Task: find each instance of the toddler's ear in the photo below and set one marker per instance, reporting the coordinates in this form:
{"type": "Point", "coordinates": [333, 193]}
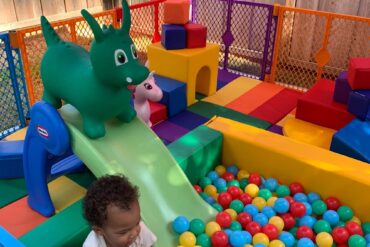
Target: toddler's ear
{"type": "Point", "coordinates": [97, 230]}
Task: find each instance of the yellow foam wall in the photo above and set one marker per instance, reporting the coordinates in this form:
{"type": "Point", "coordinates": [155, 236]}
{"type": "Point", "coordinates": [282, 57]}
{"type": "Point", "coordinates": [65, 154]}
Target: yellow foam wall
{"type": "Point", "coordinates": [319, 170]}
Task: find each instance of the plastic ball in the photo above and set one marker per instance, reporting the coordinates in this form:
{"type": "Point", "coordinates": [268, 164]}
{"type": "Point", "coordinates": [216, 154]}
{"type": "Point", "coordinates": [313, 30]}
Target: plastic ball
{"type": "Point", "coordinates": [313, 196]}
{"type": "Point", "coordinates": [268, 211]}
{"type": "Point", "coordinates": [367, 238]}
{"type": "Point", "coordinates": [265, 194]}
{"type": "Point", "coordinates": [251, 209]}
{"type": "Point", "coordinates": [219, 239]}
{"type": "Point", "coordinates": [281, 205]}
{"type": "Point", "coordinates": [221, 189]}
{"type": "Point", "coordinates": [233, 182]}
{"type": "Point", "coordinates": [197, 188]}
{"type": "Point", "coordinates": [278, 222]}
{"type": "Point", "coordinates": [287, 238]}
{"type": "Point", "coordinates": [366, 227]}
{"type": "Point", "coordinates": [305, 242]}
{"type": "Point", "coordinates": [289, 199]}
{"type": "Point", "coordinates": [322, 226]}
{"type": "Point", "coordinates": [282, 190]}
{"type": "Point", "coordinates": [354, 228]}
{"type": "Point", "coordinates": [253, 228]}
{"type": "Point", "coordinates": [307, 221]}
{"type": "Point", "coordinates": [261, 219]}
{"type": "Point", "coordinates": [242, 174]}
{"type": "Point", "coordinates": [180, 224]}
{"type": "Point", "coordinates": [259, 202]}
{"type": "Point", "coordinates": [345, 213]}
{"type": "Point", "coordinates": [331, 217]}
{"type": "Point", "coordinates": [308, 208]}
{"type": "Point", "coordinates": [213, 175]}
{"type": "Point", "coordinates": [203, 240]}
{"type": "Point", "coordinates": [210, 190]}
{"type": "Point", "coordinates": [259, 245]}
{"type": "Point", "coordinates": [276, 243]}
{"type": "Point", "coordinates": [271, 231]}
{"type": "Point", "coordinates": [340, 235]}
{"type": "Point", "coordinates": [232, 169]}
{"type": "Point", "coordinates": [245, 198]}
{"type": "Point", "coordinates": [224, 199]}
{"type": "Point", "coordinates": [212, 227]}
{"type": "Point", "coordinates": [244, 218]}
{"type": "Point", "coordinates": [271, 184]}
{"type": "Point", "coordinates": [332, 203]}
{"type": "Point", "coordinates": [297, 209]}
{"type": "Point", "coordinates": [252, 190]}
{"type": "Point", "coordinates": [243, 183]}
{"type": "Point", "coordinates": [239, 239]}
{"type": "Point", "coordinates": [271, 201]}
{"type": "Point", "coordinates": [223, 219]}
{"type": "Point", "coordinates": [228, 232]}
{"type": "Point", "coordinates": [295, 188]}
{"type": "Point", "coordinates": [289, 221]}
{"type": "Point", "coordinates": [319, 207]}
{"type": "Point", "coordinates": [300, 197]}
{"type": "Point", "coordinates": [219, 182]}
{"type": "Point", "coordinates": [356, 241]}
{"type": "Point", "coordinates": [235, 226]}
{"type": "Point", "coordinates": [220, 170]}
{"type": "Point", "coordinates": [187, 239]}
{"type": "Point", "coordinates": [254, 178]}
{"type": "Point", "coordinates": [232, 213]}
{"type": "Point", "coordinates": [204, 181]}
{"type": "Point", "coordinates": [340, 224]}
{"type": "Point", "coordinates": [237, 205]}
{"type": "Point", "coordinates": [233, 191]}
{"type": "Point", "coordinates": [210, 200]}
{"type": "Point", "coordinates": [356, 219]}
{"type": "Point", "coordinates": [217, 206]}
{"type": "Point", "coordinates": [228, 176]}
{"type": "Point", "coordinates": [324, 239]}
{"type": "Point", "coordinates": [260, 238]}
{"type": "Point", "coordinates": [197, 226]}
{"type": "Point", "coordinates": [304, 232]}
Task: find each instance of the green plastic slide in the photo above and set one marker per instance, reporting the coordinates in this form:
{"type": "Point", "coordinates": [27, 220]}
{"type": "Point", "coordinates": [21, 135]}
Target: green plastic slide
{"type": "Point", "coordinates": [134, 150]}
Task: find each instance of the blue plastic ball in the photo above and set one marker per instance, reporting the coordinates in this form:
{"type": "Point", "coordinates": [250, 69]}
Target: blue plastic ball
{"type": "Point", "coordinates": [308, 208]}
{"type": "Point", "coordinates": [213, 175]}
{"type": "Point", "coordinates": [251, 209]}
{"type": "Point", "coordinates": [232, 169]}
{"type": "Point", "coordinates": [180, 224]}
{"type": "Point", "coordinates": [210, 200]}
{"type": "Point", "coordinates": [305, 242]}
{"type": "Point", "coordinates": [367, 238]}
{"type": "Point", "coordinates": [261, 219]}
{"type": "Point", "coordinates": [281, 205]}
{"type": "Point", "coordinates": [271, 184]}
{"type": "Point", "coordinates": [268, 211]}
{"type": "Point", "coordinates": [237, 239]}
{"type": "Point", "coordinates": [332, 217]}
{"type": "Point", "coordinates": [228, 232]}
{"type": "Point", "coordinates": [247, 236]}
{"type": "Point", "coordinates": [307, 221]}
{"type": "Point", "coordinates": [287, 238]}
{"type": "Point", "coordinates": [219, 182]}
{"type": "Point", "coordinates": [259, 245]}
{"type": "Point", "coordinates": [300, 197]}
{"type": "Point", "coordinates": [313, 196]}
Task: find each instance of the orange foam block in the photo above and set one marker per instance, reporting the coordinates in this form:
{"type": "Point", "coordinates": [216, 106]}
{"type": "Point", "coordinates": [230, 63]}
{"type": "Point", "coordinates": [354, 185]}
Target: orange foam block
{"type": "Point", "coordinates": [176, 11]}
{"type": "Point", "coordinates": [255, 97]}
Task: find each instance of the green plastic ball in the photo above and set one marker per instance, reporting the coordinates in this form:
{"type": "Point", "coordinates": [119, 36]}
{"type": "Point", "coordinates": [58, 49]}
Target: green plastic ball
{"type": "Point", "coordinates": [243, 183]}
{"type": "Point", "coordinates": [197, 226]}
{"type": "Point", "coordinates": [237, 205]}
{"type": "Point", "coordinates": [340, 224]}
{"type": "Point", "coordinates": [204, 181]}
{"type": "Point", "coordinates": [345, 213]}
{"type": "Point", "coordinates": [265, 194]}
{"type": "Point", "coordinates": [235, 226]}
{"type": "Point", "coordinates": [221, 189]}
{"type": "Point", "coordinates": [366, 227]}
{"type": "Point", "coordinates": [356, 241]}
{"type": "Point", "coordinates": [282, 191]}
{"type": "Point", "coordinates": [217, 206]}
{"type": "Point", "coordinates": [203, 240]}
{"type": "Point", "coordinates": [319, 207]}
{"type": "Point", "coordinates": [293, 231]}
{"type": "Point", "coordinates": [322, 226]}
{"type": "Point", "coordinates": [233, 183]}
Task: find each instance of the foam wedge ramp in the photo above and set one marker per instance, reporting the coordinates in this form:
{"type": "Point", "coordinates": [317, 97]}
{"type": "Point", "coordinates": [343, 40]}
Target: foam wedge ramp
{"type": "Point", "coordinates": [134, 150]}
{"type": "Point", "coordinates": [353, 140]}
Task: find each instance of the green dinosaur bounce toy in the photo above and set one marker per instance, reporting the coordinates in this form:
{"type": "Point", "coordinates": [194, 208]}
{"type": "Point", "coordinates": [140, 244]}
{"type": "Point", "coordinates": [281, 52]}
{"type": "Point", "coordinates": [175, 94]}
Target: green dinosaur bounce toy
{"type": "Point", "coordinates": [95, 83]}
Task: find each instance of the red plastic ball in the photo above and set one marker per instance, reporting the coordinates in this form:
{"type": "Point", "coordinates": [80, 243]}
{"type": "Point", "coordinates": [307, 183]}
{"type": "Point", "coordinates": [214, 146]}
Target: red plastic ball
{"type": "Point", "coordinates": [305, 232]}
{"type": "Point", "coordinates": [289, 221]}
{"type": "Point", "coordinates": [295, 188]}
{"type": "Point", "coordinates": [332, 203]}
{"type": "Point", "coordinates": [234, 191]}
{"type": "Point", "coordinates": [354, 228]}
{"type": "Point", "coordinates": [289, 199]}
{"type": "Point", "coordinates": [271, 231]}
{"type": "Point", "coordinates": [253, 228]}
{"type": "Point", "coordinates": [340, 235]}
{"type": "Point", "coordinates": [245, 198]}
{"type": "Point", "coordinates": [223, 219]}
{"type": "Point", "coordinates": [224, 199]}
{"type": "Point", "coordinates": [297, 209]}
{"type": "Point", "coordinates": [197, 188]}
{"type": "Point", "coordinates": [228, 176]}
{"type": "Point", "coordinates": [219, 239]}
{"type": "Point", "coordinates": [254, 178]}
{"type": "Point", "coordinates": [244, 218]}
{"type": "Point", "coordinates": [342, 245]}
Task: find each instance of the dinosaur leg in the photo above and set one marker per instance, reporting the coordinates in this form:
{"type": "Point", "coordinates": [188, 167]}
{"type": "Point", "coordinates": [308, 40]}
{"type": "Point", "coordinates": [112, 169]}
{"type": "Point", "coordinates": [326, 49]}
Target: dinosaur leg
{"type": "Point", "coordinates": [127, 115]}
{"type": "Point", "coordinates": [54, 101]}
{"type": "Point", "coordinates": [93, 128]}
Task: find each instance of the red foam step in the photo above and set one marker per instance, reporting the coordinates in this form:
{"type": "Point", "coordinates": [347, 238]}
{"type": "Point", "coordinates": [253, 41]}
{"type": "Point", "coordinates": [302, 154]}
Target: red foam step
{"type": "Point", "coordinates": [359, 73]}
{"type": "Point", "coordinates": [158, 112]}
{"type": "Point", "coordinates": [318, 107]}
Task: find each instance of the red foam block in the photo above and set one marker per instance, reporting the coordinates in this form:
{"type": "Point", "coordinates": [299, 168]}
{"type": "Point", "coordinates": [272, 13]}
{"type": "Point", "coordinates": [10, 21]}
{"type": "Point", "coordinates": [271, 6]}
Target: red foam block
{"type": "Point", "coordinates": [359, 73]}
{"type": "Point", "coordinates": [196, 35]}
{"type": "Point", "coordinates": [318, 107]}
{"type": "Point", "coordinates": [158, 112]}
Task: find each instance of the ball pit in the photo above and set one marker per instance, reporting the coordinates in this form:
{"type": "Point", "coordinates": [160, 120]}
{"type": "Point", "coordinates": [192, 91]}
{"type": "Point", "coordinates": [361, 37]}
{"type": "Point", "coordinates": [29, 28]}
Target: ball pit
{"type": "Point", "coordinates": [261, 212]}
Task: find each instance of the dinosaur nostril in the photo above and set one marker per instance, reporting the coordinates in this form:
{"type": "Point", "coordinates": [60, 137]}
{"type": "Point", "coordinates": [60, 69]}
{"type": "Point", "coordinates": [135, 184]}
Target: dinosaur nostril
{"type": "Point", "coordinates": [128, 79]}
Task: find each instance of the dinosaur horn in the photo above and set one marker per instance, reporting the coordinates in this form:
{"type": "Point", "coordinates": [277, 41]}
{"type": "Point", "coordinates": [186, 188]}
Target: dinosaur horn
{"type": "Point", "coordinates": [126, 22]}
{"type": "Point", "coordinates": [98, 32]}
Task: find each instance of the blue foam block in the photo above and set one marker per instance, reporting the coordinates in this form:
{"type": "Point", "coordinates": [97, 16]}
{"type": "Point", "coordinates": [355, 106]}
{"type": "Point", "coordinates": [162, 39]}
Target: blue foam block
{"type": "Point", "coordinates": [8, 240]}
{"type": "Point", "coordinates": [342, 88]}
{"type": "Point", "coordinates": [174, 94]}
{"type": "Point", "coordinates": [188, 119]}
{"type": "Point", "coordinates": [353, 140]}
{"type": "Point", "coordinates": [359, 104]}
{"type": "Point", "coordinates": [173, 36]}
{"type": "Point", "coordinates": [11, 159]}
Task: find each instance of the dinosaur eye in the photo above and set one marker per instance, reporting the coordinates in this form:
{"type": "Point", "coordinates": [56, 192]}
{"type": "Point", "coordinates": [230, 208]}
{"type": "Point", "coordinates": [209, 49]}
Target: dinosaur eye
{"type": "Point", "coordinates": [147, 86]}
{"type": "Point", "coordinates": [133, 50]}
{"type": "Point", "coordinates": [120, 57]}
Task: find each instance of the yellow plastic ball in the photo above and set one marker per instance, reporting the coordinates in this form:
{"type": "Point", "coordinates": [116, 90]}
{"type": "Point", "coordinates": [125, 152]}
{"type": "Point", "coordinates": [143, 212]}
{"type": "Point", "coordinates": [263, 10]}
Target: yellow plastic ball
{"type": "Point", "coordinates": [260, 238]}
{"type": "Point", "coordinates": [242, 174]}
{"type": "Point", "coordinates": [259, 202]}
{"type": "Point", "coordinates": [212, 227]}
{"type": "Point", "coordinates": [252, 190]}
{"type": "Point", "coordinates": [215, 197]}
{"type": "Point", "coordinates": [248, 245]}
{"type": "Point", "coordinates": [278, 222]}
{"type": "Point", "coordinates": [232, 213]}
{"type": "Point", "coordinates": [187, 239]}
{"type": "Point", "coordinates": [210, 190]}
{"type": "Point", "coordinates": [276, 243]}
{"type": "Point", "coordinates": [324, 239]}
{"type": "Point", "coordinates": [357, 220]}
{"type": "Point", "coordinates": [271, 201]}
{"type": "Point", "coordinates": [220, 170]}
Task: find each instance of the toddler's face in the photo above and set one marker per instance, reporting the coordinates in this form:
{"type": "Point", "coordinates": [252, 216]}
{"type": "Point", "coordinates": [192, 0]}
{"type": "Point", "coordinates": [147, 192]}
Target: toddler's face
{"type": "Point", "coordinates": [122, 226]}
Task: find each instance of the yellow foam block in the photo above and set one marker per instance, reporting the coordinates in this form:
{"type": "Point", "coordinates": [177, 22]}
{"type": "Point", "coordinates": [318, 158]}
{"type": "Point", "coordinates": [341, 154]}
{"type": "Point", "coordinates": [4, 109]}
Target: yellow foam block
{"type": "Point", "coordinates": [319, 170]}
{"type": "Point", "coordinates": [287, 117]}
{"type": "Point", "coordinates": [308, 133]}
{"type": "Point", "coordinates": [64, 192]}
{"type": "Point", "coordinates": [232, 91]}
{"type": "Point", "coordinates": [198, 67]}
{"type": "Point", "coordinates": [17, 136]}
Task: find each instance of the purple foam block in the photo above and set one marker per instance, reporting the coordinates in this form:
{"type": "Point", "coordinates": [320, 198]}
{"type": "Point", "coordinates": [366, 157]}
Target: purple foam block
{"type": "Point", "coordinates": [188, 120]}
{"type": "Point", "coordinates": [359, 104]}
{"type": "Point", "coordinates": [276, 129]}
{"type": "Point", "coordinates": [342, 88]}
{"type": "Point", "coordinates": [225, 76]}
{"type": "Point", "coordinates": [169, 131]}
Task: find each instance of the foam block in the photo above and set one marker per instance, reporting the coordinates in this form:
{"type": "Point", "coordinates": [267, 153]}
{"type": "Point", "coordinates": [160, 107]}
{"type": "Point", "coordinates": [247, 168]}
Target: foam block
{"type": "Point", "coordinates": [173, 37]}
{"type": "Point", "coordinates": [176, 11]}
{"type": "Point", "coordinates": [6, 239]}
{"type": "Point", "coordinates": [11, 159]}
{"type": "Point", "coordinates": [169, 131]}
{"type": "Point", "coordinates": [196, 35]}
{"type": "Point", "coordinates": [276, 129]}
{"type": "Point", "coordinates": [158, 112]}
{"type": "Point", "coordinates": [317, 106]}
{"type": "Point", "coordinates": [342, 88]}
{"type": "Point", "coordinates": [188, 120]}
{"type": "Point", "coordinates": [359, 104]}
{"type": "Point", "coordinates": [359, 73]}
{"type": "Point", "coordinates": [201, 156]}
{"type": "Point", "coordinates": [174, 94]}
{"type": "Point", "coordinates": [353, 140]}
{"type": "Point", "coordinates": [226, 76]}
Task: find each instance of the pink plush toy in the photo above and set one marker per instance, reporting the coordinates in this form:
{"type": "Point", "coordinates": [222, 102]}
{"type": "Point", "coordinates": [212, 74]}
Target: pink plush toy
{"type": "Point", "coordinates": [147, 90]}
